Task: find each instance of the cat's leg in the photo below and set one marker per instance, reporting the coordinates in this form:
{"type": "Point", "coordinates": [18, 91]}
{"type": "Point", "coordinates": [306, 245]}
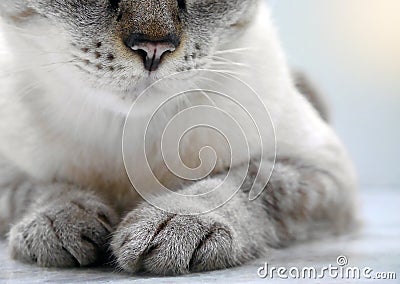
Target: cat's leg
{"type": "Point", "coordinates": [298, 203]}
{"type": "Point", "coordinates": [56, 225]}
{"type": "Point", "coordinates": [13, 204]}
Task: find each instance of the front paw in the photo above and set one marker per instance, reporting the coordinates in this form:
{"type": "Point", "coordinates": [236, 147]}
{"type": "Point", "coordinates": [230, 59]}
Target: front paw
{"type": "Point", "coordinates": [153, 241]}
{"type": "Point", "coordinates": [63, 233]}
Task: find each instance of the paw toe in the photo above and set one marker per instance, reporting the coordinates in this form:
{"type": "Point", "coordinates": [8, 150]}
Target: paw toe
{"type": "Point", "coordinates": [62, 236]}
{"type": "Point", "coordinates": [172, 244]}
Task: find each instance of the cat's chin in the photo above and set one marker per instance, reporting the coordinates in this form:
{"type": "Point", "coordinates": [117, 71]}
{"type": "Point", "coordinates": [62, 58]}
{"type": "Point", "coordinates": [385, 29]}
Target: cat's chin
{"type": "Point", "coordinates": [134, 89]}
{"type": "Point", "coordinates": [119, 100]}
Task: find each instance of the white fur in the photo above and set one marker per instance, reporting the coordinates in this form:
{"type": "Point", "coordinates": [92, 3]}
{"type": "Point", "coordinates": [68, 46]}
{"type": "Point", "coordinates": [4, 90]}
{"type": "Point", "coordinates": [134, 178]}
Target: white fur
{"type": "Point", "coordinates": [73, 133]}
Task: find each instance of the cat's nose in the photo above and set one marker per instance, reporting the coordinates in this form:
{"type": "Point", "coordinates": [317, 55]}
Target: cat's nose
{"type": "Point", "coordinates": [152, 51]}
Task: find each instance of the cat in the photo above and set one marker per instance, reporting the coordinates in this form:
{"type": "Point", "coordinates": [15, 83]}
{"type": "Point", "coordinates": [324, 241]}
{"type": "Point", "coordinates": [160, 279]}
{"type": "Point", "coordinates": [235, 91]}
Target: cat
{"type": "Point", "coordinates": [71, 71]}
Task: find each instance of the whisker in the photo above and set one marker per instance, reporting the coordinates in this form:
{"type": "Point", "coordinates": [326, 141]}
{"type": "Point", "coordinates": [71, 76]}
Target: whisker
{"type": "Point", "coordinates": [35, 85]}
{"type": "Point", "coordinates": [224, 59]}
{"type": "Point", "coordinates": [60, 62]}
{"type": "Point", "coordinates": [7, 73]}
{"type": "Point", "coordinates": [234, 50]}
{"type": "Point", "coordinates": [211, 80]}
{"type": "Point", "coordinates": [206, 95]}
{"type": "Point", "coordinates": [79, 118]}
{"type": "Point", "coordinates": [233, 64]}
{"type": "Point", "coordinates": [221, 58]}
{"type": "Point", "coordinates": [21, 31]}
{"type": "Point", "coordinates": [20, 95]}
{"type": "Point", "coordinates": [228, 72]}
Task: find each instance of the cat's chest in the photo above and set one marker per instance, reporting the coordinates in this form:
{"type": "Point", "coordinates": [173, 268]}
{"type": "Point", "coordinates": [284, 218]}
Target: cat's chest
{"type": "Point", "coordinates": [111, 159]}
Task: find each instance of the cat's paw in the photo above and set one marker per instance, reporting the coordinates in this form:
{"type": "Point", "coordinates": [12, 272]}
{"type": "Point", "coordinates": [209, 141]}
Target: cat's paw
{"type": "Point", "coordinates": [150, 240]}
{"type": "Point", "coordinates": [64, 233]}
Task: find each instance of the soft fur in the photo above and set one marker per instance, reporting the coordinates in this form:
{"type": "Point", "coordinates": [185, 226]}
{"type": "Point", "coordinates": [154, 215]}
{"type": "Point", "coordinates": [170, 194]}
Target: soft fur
{"type": "Point", "coordinates": [66, 85]}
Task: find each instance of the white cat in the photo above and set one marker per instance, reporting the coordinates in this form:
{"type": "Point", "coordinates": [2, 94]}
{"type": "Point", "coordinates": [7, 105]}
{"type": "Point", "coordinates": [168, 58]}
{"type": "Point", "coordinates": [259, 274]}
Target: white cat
{"type": "Point", "coordinates": [71, 72]}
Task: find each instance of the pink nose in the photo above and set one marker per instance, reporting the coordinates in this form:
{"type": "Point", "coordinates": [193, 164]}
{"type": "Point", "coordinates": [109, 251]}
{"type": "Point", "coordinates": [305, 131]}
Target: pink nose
{"type": "Point", "coordinates": [153, 52]}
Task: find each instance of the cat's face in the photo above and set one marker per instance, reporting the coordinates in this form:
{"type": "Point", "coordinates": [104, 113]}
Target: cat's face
{"type": "Point", "coordinates": [115, 44]}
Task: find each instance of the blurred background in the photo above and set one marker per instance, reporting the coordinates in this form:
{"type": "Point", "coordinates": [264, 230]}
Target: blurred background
{"type": "Point", "coordinates": [350, 49]}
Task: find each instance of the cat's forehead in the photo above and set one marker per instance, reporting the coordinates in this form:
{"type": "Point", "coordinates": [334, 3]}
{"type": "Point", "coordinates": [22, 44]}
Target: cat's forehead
{"type": "Point", "coordinates": [143, 4]}
{"type": "Point", "coordinates": [79, 9]}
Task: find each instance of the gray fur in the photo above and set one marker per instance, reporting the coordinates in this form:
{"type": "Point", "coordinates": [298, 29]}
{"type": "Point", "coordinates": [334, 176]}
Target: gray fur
{"type": "Point", "coordinates": [63, 227]}
{"type": "Point", "coordinates": [64, 192]}
{"type": "Point", "coordinates": [149, 239]}
{"type": "Point", "coordinates": [206, 25]}
{"type": "Point", "coordinates": [313, 95]}
{"type": "Point", "coordinates": [296, 206]}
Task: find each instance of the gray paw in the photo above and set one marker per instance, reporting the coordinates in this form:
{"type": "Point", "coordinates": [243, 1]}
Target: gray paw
{"type": "Point", "coordinates": [153, 241]}
{"type": "Point", "coordinates": [64, 233]}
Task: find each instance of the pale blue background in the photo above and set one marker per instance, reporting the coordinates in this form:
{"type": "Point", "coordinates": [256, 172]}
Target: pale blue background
{"type": "Point", "coordinates": [351, 50]}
